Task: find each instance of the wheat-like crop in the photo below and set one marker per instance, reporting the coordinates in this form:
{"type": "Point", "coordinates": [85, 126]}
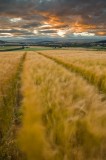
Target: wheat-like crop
{"type": "Point", "coordinates": [9, 75]}
{"type": "Point", "coordinates": [8, 67]}
{"type": "Point", "coordinates": [64, 117]}
{"type": "Point", "coordinates": [89, 65]}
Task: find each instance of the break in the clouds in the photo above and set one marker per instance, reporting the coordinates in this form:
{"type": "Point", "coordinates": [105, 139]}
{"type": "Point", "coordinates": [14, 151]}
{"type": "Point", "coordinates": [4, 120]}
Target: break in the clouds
{"type": "Point", "coordinates": [34, 18]}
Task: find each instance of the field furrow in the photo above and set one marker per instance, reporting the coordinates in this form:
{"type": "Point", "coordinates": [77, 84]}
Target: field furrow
{"type": "Point", "coordinates": [94, 74]}
{"type": "Point", "coordinates": [10, 70]}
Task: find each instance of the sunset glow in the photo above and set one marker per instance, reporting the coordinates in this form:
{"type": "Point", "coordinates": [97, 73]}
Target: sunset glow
{"type": "Point", "coordinates": [24, 18]}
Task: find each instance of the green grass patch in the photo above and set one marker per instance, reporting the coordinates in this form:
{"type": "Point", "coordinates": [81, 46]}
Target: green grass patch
{"type": "Point", "coordinates": [39, 48]}
{"type": "Point", "coordinates": [99, 48]}
{"type": "Point", "coordinates": [8, 47]}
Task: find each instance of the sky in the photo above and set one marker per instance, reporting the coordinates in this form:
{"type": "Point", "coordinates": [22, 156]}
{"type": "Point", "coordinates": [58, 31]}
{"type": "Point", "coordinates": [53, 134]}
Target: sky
{"type": "Point", "coordinates": [52, 18]}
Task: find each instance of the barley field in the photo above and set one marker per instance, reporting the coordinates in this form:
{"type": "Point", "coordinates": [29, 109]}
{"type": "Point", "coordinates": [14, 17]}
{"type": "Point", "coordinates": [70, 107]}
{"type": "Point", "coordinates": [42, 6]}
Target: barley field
{"type": "Point", "coordinates": [53, 105]}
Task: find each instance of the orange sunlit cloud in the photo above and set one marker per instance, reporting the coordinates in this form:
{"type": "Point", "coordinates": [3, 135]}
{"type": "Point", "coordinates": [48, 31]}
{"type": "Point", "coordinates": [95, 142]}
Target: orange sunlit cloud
{"type": "Point", "coordinates": [101, 33]}
{"type": "Point", "coordinates": [53, 18]}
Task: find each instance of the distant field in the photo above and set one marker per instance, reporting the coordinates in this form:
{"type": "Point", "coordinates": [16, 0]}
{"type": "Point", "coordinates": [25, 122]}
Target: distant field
{"type": "Point", "coordinates": [53, 104]}
{"type": "Point", "coordinates": [6, 47]}
{"type": "Point", "coordinates": [10, 48]}
{"type": "Point", "coordinates": [40, 48]}
{"type": "Point", "coordinates": [37, 48]}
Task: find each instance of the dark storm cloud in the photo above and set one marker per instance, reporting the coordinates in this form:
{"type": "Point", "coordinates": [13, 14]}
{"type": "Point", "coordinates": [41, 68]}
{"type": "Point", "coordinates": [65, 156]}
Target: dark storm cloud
{"type": "Point", "coordinates": [81, 15]}
{"type": "Point", "coordinates": [14, 32]}
{"type": "Point", "coordinates": [48, 31]}
{"type": "Point", "coordinates": [31, 25]}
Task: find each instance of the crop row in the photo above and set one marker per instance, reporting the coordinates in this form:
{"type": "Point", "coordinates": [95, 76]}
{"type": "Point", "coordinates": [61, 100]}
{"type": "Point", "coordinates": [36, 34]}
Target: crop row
{"type": "Point", "coordinates": [10, 67]}
{"type": "Point", "coordinates": [93, 74]}
{"type": "Point", "coordinates": [63, 115]}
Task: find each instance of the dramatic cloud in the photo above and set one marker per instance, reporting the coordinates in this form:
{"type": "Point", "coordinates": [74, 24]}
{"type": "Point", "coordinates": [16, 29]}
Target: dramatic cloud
{"type": "Point", "coordinates": [52, 17]}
